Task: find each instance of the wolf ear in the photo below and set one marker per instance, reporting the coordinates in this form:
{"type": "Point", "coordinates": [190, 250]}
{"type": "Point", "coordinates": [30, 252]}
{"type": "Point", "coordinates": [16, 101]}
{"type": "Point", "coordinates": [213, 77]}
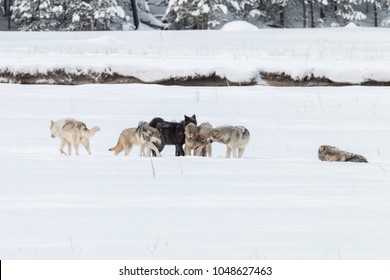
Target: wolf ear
{"type": "Point", "coordinates": [194, 117]}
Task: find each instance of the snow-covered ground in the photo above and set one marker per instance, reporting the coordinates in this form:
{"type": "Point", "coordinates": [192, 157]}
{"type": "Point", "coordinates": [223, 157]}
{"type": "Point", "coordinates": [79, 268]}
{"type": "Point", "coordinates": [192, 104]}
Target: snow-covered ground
{"type": "Point", "coordinates": [347, 55]}
{"type": "Point", "coordinates": [277, 202]}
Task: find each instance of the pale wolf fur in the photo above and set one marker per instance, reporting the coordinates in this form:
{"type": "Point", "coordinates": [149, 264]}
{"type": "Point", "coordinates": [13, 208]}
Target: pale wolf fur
{"type": "Point", "coordinates": [190, 132]}
{"type": "Point", "coordinates": [72, 132]}
{"type": "Point", "coordinates": [234, 137]}
{"type": "Point", "coordinates": [140, 136]}
{"type": "Point", "coordinates": [149, 139]}
{"type": "Point", "coordinates": [329, 153]}
{"type": "Point", "coordinates": [204, 136]}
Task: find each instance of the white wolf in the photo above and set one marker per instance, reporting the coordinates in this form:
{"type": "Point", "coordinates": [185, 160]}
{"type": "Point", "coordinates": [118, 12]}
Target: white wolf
{"type": "Point", "coordinates": [144, 136]}
{"type": "Point", "coordinates": [234, 137]}
{"type": "Point", "coordinates": [72, 132]}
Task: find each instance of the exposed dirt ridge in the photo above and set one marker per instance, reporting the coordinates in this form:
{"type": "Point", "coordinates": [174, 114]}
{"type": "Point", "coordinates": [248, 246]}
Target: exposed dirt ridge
{"type": "Point", "coordinates": [61, 77]}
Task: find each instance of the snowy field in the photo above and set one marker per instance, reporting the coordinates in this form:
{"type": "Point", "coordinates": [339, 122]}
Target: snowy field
{"type": "Point", "coordinates": [277, 202]}
{"type": "Point", "coordinates": [347, 55]}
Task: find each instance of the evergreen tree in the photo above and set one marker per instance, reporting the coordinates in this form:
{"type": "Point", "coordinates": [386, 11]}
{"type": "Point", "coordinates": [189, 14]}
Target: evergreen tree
{"type": "Point", "coordinates": [93, 15]}
{"type": "Point", "coordinates": [346, 12]}
{"type": "Point", "coordinates": [253, 9]}
{"type": "Point", "coordinates": [79, 16]}
{"type": "Point", "coordinates": [198, 14]}
{"type": "Point", "coordinates": [38, 15]}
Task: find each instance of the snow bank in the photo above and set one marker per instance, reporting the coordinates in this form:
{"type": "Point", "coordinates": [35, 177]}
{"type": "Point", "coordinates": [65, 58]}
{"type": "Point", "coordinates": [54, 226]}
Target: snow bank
{"type": "Point", "coordinates": [343, 55]}
{"type": "Point", "coordinates": [239, 26]}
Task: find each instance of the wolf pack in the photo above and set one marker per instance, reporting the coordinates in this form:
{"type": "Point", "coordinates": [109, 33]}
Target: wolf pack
{"type": "Point", "coordinates": [151, 137]}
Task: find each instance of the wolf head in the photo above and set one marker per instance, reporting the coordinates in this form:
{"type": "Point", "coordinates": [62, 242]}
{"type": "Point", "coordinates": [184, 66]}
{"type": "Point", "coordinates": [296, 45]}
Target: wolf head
{"type": "Point", "coordinates": [188, 120]}
{"type": "Point", "coordinates": [149, 133]}
{"type": "Point", "coordinates": [216, 135]}
{"type": "Point", "coordinates": [190, 131]}
{"type": "Point", "coordinates": [202, 139]}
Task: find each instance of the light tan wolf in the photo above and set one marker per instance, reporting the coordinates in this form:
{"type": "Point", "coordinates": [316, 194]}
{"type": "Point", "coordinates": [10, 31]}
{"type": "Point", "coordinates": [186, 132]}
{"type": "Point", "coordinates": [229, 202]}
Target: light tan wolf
{"type": "Point", "coordinates": [140, 136]}
{"type": "Point", "coordinates": [234, 137]}
{"type": "Point", "coordinates": [72, 132]}
{"type": "Point", "coordinates": [204, 136]}
{"type": "Point", "coordinates": [330, 153]}
{"type": "Point", "coordinates": [190, 132]}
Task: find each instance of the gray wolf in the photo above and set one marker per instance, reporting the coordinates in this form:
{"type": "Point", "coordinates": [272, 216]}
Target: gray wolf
{"type": "Point", "coordinates": [172, 132]}
{"type": "Point", "coordinates": [204, 136]}
{"type": "Point", "coordinates": [190, 132]}
{"type": "Point", "coordinates": [330, 153]}
{"type": "Point", "coordinates": [149, 139]}
{"type": "Point", "coordinates": [234, 137]}
{"type": "Point", "coordinates": [141, 136]}
{"type": "Point", "coordinates": [72, 132]}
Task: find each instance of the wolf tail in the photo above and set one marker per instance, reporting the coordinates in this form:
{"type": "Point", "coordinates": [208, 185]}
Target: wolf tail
{"type": "Point", "coordinates": [246, 135]}
{"type": "Point", "coordinates": [356, 158]}
{"type": "Point", "coordinates": [90, 132]}
{"type": "Point", "coordinates": [118, 148]}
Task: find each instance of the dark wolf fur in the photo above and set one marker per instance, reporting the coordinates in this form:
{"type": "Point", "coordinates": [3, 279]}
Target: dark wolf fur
{"type": "Point", "coordinates": [172, 132]}
{"type": "Point", "coordinates": [330, 153]}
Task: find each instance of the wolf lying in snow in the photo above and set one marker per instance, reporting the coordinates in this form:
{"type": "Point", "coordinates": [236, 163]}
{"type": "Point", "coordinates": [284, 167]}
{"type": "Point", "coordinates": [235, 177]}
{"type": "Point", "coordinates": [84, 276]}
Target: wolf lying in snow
{"type": "Point", "coordinates": [329, 153]}
{"type": "Point", "coordinates": [234, 137]}
{"type": "Point", "coordinates": [72, 133]}
{"type": "Point", "coordinates": [172, 132]}
{"type": "Point", "coordinates": [144, 136]}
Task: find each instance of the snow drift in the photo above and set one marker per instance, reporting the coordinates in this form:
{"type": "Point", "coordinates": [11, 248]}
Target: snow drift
{"type": "Point", "coordinates": [337, 55]}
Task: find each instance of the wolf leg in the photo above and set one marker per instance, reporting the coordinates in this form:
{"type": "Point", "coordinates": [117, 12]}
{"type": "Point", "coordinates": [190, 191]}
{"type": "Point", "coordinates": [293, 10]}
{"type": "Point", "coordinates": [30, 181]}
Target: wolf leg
{"type": "Point", "coordinates": [142, 150]}
{"type": "Point", "coordinates": [76, 148]}
{"type": "Point", "coordinates": [240, 152]}
{"type": "Point", "coordinates": [62, 145]}
{"type": "Point", "coordinates": [209, 150]}
{"type": "Point", "coordinates": [128, 150]}
{"type": "Point", "coordinates": [179, 150]}
{"type": "Point", "coordinates": [234, 149]}
{"type": "Point", "coordinates": [85, 142]}
{"type": "Point", "coordinates": [228, 152]}
{"type": "Point", "coordinates": [69, 149]}
{"type": "Point", "coordinates": [187, 150]}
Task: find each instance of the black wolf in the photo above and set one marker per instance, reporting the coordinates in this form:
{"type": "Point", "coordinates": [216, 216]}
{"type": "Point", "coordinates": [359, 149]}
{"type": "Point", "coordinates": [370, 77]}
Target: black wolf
{"type": "Point", "coordinates": [173, 132]}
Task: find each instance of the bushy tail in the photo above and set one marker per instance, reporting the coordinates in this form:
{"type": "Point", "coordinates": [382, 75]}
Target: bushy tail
{"type": "Point", "coordinates": [356, 158]}
{"type": "Point", "coordinates": [90, 132]}
{"type": "Point", "coordinates": [246, 135]}
{"type": "Point", "coordinates": [118, 148]}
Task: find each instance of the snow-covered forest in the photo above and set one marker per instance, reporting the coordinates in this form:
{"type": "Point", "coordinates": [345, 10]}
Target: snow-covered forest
{"type": "Point", "coordinates": [93, 15]}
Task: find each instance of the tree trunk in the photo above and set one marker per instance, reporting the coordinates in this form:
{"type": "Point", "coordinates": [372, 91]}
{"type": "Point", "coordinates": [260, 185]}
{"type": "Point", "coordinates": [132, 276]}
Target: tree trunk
{"type": "Point", "coordinates": [282, 16]}
{"type": "Point", "coordinates": [304, 14]}
{"type": "Point", "coordinates": [333, 5]}
{"type": "Point", "coordinates": [135, 14]}
{"type": "Point", "coordinates": [312, 14]}
{"type": "Point", "coordinates": [375, 15]}
{"type": "Point", "coordinates": [322, 13]}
